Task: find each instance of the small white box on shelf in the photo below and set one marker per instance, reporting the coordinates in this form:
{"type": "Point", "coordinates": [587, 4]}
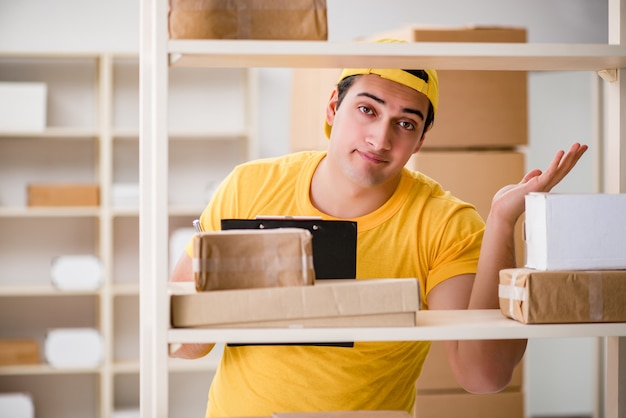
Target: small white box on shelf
{"type": "Point", "coordinates": [575, 231]}
{"type": "Point", "coordinates": [74, 347]}
{"type": "Point", "coordinates": [23, 106]}
{"type": "Point", "coordinates": [16, 405]}
{"type": "Point", "coordinates": [77, 272]}
{"type": "Point", "coordinates": [125, 195]}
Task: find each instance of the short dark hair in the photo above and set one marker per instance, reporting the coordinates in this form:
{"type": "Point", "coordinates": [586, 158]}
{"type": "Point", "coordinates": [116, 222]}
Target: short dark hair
{"type": "Point", "coordinates": [344, 85]}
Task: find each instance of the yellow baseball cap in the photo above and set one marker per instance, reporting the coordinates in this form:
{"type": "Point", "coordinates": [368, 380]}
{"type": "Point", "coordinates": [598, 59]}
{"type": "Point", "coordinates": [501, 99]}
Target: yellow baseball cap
{"type": "Point", "coordinates": [429, 87]}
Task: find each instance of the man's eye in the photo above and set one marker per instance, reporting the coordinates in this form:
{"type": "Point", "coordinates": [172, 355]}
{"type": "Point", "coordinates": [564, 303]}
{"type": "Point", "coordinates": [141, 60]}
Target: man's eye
{"type": "Point", "coordinates": [407, 125]}
{"type": "Point", "coordinates": [366, 110]}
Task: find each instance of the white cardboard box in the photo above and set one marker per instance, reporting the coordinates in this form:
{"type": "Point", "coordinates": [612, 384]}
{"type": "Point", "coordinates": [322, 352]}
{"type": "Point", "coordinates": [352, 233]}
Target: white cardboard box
{"type": "Point", "coordinates": [575, 231]}
{"type": "Point", "coordinates": [23, 106]}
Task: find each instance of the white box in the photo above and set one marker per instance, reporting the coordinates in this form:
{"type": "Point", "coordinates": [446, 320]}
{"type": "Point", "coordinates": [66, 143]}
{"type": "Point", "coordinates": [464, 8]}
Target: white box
{"type": "Point", "coordinates": [74, 348]}
{"type": "Point", "coordinates": [575, 231]}
{"type": "Point", "coordinates": [125, 195]}
{"type": "Point", "coordinates": [16, 405]}
{"type": "Point", "coordinates": [77, 272]}
{"type": "Point", "coordinates": [23, 106]}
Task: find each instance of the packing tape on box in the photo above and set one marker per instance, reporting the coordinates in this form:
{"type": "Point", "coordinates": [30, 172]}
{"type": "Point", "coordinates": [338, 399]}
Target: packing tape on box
{"type": "Point", "coordinates": [237, 264]}
{"type": "Point", "coordinates": [512, 293]}
{"type": "Point", "coordinates": [596, 304]}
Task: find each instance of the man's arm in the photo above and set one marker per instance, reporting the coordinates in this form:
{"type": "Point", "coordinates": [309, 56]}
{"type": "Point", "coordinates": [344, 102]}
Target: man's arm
{"type": "Point", "coordinates": [183, 273]}
{"type": "Point", "coordinates": [484, 366]}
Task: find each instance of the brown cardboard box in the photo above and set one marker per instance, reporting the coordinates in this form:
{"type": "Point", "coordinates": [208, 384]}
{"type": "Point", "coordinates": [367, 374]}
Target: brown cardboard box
{"type": "Point", "coordinates": [509, 404]}
{"type": "Point", "coordinates": [475, 177]}
{"type": "Point", "coordinates": [476, 108]}
{"type": "Point", "coordinates": [243, 259]}
{"type": "Point", "coordinates": [483, 109]}
{"type": "Point", "coordinates": [248, 19]}
{"type": "Point", "coordinates": [329, 303]}
{"type": "Point", "coordinates": [18, 351]}
{"type": "Point", "coordinates": [63, 195]}
{"type": "Point", "coordinates": [437, 375]}
{"type": "Point", "coordinates": [540, 297]}
{"type": "Point", "coordinates": [311, 89]}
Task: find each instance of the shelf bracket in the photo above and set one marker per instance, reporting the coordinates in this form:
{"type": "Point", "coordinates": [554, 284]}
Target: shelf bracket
{"type": "Point", "coordinates": [609, 75]}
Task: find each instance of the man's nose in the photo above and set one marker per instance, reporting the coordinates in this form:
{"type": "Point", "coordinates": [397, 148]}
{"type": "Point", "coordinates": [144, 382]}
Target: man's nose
{"type": "Point", "coordinates": [379, 135]}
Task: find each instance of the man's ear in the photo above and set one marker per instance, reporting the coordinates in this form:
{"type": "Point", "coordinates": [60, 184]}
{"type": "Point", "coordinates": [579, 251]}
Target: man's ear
{"type": "Point", "coordinates": [331, 108]}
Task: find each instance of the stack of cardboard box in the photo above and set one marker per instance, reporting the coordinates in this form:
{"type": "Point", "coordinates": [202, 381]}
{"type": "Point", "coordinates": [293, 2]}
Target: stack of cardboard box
{"type": "Point", "coordinates": [476, 147]}
{"type": "Point", "coordinates": [576, 263]}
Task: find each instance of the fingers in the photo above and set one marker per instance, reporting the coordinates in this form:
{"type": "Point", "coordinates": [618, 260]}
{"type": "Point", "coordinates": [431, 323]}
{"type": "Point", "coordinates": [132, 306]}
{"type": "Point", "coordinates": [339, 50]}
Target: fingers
{"type": "Point", "coordinates": [561, 165]}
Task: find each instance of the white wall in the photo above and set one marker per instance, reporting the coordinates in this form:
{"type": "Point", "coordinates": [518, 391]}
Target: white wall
{"type": "Point", "coordinates": [561, 108]}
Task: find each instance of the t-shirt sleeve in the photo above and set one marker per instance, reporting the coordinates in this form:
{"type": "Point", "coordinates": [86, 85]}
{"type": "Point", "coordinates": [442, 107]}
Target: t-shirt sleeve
{"type": "Point", "coordinates": [458, 248]}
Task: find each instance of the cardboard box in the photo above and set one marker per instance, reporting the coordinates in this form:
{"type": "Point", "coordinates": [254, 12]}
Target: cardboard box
{"type": "Point", "coordinates": [575, 231]}
{"type": "Point", "coordinates": [476, 108]}
{"type": "Point", "coordinates": [437, 375]}
{"type": "Point", "coordinates": [329, 303]}
{"type": "Point", "coordinates": [509, 404]}
{"type": "Point", "coordinates": [310, 91]}
{"type": "Point", "coordinates": [243, 259]}
{"type": "Point", "coordinates": [539, 297]}
{"type": "Point", "coordinates": [475, 177]}
{"type": "Point", "coordinates": [18, 351]}
{"type": "Point", "coordinates": [63, 195]}
{"type": "Point", "coordinates": [248, 19]}
{"type": "Point", "coordinates": [23, 106]}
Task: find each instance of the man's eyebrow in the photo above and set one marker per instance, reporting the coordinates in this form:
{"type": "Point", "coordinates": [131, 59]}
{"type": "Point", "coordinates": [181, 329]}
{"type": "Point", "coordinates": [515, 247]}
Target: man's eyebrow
{"type": "Point", "coordinates": [381, 101]}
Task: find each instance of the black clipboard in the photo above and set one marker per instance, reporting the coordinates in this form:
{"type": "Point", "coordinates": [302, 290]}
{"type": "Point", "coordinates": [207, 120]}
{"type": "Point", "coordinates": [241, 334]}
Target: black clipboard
{"type": "Point", "coordinates": [334, 251]}
{"type": "Point", "coordinates": [334, 242]}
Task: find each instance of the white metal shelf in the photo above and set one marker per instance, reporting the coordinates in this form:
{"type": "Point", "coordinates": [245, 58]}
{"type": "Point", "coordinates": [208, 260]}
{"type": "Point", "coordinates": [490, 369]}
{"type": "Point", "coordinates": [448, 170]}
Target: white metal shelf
{"type": "Point", "coordinates": [431, 325]}
{"type": "Point", "coordinates": [440, 55]}
{"type": "Point", "coordinates": [156, 50]}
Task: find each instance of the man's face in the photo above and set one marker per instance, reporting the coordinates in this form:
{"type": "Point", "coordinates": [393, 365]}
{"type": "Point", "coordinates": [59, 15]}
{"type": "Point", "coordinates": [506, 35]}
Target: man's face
{"type": "Point", "coordinates": [375, 130]}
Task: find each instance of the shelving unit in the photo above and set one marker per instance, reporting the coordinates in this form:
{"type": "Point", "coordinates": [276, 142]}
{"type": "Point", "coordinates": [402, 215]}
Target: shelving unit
{"type": "Point", "coordinates": [92, 135]}
{"type": "Point", "coordinates": [157, 51]}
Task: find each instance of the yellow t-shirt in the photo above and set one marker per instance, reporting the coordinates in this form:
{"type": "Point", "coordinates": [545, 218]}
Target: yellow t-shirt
{"type": "Point", "coordinates": [421, 231]}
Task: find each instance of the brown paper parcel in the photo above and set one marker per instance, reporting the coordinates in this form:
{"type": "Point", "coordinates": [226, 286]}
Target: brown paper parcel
{"type": "Point", "coordinates": [330, 303]}
{"type": "Point", "coordinates": [242, 259]}
{"type": "Point", "coordinates": [539, 297]}
{"type": "Point", "coordinates": [248, 19]}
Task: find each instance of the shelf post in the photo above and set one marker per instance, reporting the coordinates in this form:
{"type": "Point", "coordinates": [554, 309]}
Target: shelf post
{"type": "Point", "coordinates": [153, 216]}
{"type": "Point", "coordinates": [615, 182]}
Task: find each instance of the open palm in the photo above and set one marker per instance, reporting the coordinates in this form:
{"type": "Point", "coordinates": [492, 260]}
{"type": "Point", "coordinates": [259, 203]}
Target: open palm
{"type": "Point", "coordinates": [508, 202]}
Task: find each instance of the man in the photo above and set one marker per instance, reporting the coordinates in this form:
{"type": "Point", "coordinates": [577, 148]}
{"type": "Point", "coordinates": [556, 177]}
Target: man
{"type": "Point", "coordinates": [408, 226]}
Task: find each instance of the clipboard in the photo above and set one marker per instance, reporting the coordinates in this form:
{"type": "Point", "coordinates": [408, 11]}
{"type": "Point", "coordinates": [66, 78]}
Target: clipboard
{"type": "Point", "coordinates": [334, 242]}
